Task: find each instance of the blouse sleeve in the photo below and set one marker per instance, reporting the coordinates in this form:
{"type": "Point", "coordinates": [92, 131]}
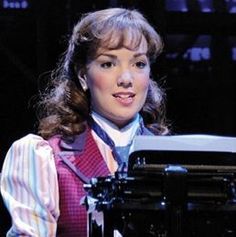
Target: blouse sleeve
{"type": "Point", "coordinates": [29, 188]}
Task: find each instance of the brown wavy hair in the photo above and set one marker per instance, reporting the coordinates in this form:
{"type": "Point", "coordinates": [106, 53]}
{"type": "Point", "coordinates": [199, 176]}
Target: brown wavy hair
{"type": "Point", "coordinates": [65, 106]}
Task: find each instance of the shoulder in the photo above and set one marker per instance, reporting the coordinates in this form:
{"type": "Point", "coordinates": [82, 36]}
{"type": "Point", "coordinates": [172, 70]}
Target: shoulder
{"type": "Point", "coordinates": [29, 139]}
{"type": "Point", "coordinates": [30, 145]}
{"type": "Point", "coordinates": [32, 140]}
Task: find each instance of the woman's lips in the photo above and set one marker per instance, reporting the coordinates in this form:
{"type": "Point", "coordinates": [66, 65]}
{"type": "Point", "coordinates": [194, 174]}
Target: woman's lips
{"type": "Point", "coordinates": [124, 98]}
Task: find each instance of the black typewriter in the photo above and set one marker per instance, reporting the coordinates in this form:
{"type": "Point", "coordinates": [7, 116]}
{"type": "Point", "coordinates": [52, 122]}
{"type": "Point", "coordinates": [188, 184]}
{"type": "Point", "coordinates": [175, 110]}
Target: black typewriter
{"type": "Point", "coordinates": [173, 186]}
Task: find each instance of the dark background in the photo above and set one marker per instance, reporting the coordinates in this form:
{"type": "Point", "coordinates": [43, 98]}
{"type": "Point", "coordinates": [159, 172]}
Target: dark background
{"type": "Point", "coordinates": [197, 67]}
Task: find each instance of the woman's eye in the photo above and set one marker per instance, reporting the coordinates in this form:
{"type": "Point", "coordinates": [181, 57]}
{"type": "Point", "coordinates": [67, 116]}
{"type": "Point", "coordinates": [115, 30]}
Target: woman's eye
{"type": "Point", "coordinates": [107, 65]}
{"type": "Point", "coordinates": [140, 64]}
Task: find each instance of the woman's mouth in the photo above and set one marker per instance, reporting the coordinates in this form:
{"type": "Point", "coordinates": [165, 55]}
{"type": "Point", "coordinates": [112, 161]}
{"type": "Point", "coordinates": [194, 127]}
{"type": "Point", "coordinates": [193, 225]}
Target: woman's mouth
{"type": "Point", "coordinates": [124, 98]}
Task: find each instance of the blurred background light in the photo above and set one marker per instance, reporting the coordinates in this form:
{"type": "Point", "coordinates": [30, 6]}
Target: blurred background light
{"type": "Point", "coordinates": [207, 6]}
{"type": "Point", "coordinates": [15, 4]}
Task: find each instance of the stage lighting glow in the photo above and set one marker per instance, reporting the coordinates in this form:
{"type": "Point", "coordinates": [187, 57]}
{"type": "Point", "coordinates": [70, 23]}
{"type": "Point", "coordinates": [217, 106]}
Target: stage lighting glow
{"type": "Point", "coordinates": [234, 54]}
{"type": "Point", "coordinates": [232, 44]}
{"type": "Point", "coordinates": [15, 4]}
{"type": "Point", "coordinates": [231, 6]}
{"type": "Point", "coordinates": [176, 5]}
{"type": "Point", "coordinates": [197, 54]}
{"type": "Point", "coordinates": [198, 51]}
{"type": "Point", "coordinates": [205, 6]}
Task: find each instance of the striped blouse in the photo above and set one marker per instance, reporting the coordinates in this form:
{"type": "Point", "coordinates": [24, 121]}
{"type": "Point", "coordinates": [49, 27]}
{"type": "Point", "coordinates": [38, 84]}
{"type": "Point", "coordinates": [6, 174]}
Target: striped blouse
{"type": "Point", "coordinates": [29, 185]}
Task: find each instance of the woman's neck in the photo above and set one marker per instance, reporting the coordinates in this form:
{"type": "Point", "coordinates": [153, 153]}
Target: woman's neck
{"type": "Point", "coordinates": [120, 136]}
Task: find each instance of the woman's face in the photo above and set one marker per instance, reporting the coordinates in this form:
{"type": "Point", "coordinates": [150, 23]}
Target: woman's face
{"type": "Point", "coordinates": [118, 81]}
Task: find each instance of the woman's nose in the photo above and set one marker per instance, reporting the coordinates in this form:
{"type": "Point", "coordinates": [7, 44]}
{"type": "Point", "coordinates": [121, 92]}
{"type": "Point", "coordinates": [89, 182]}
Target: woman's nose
{"type": "Point", "coordinates": [125, 79]}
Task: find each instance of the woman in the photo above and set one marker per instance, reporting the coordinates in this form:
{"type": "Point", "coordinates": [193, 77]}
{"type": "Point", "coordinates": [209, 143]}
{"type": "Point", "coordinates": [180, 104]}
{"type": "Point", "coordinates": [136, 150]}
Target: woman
{"type": "Point", "coordinates": [100, 98]}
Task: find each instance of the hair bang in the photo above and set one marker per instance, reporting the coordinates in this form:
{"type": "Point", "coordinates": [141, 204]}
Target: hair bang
{"type": "Point", "coordinates": [127, 37]}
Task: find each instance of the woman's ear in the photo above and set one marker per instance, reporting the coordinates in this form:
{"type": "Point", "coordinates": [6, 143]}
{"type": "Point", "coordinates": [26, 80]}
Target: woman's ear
{"type": "Point", "coordinates": [83, 80]}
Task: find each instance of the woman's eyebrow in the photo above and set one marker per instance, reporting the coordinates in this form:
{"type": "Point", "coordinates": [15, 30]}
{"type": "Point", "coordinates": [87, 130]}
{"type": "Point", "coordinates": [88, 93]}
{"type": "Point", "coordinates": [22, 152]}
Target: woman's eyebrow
{"type": "Point", "coordinates": [140, 54]}
{"type": "Point", "coordinates": [107, 55]}
{"type": "Point", "coordinates": [114, 56]}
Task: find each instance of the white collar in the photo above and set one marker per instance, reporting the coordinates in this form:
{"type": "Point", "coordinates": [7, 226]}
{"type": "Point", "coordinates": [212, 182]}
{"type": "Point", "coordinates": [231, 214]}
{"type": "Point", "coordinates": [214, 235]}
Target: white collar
{"type": "Point", "coordinates": [121, 137]}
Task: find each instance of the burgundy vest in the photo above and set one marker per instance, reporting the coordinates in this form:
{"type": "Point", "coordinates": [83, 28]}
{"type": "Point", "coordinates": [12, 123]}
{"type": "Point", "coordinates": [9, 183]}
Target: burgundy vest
{"type": "Point", "coordinates": [84, 155]}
